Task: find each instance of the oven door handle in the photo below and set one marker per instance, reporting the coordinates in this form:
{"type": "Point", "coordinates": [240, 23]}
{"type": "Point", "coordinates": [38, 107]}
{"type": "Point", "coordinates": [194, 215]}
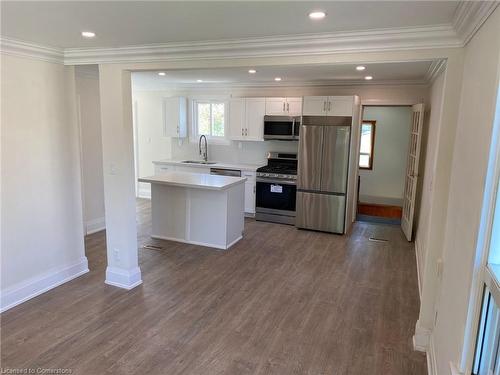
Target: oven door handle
{"type": "Point", "coordinates": [277, 182]}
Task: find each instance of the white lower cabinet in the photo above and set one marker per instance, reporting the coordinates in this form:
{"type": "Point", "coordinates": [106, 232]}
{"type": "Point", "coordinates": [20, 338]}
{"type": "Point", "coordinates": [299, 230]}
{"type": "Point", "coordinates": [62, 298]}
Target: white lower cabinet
{"type": "Point", "coordinates": [250, 186]}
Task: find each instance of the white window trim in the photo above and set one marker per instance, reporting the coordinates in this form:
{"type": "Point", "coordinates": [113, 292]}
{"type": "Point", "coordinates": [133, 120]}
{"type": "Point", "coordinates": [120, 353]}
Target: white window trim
{"type": "Point", "coordinates": [481, 272]}
{"type": "Point", "coordinates": [193, 136]}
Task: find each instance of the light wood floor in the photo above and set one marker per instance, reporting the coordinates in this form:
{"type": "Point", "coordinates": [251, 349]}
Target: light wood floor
{"type": "Point", "coordinates": [281, 301]}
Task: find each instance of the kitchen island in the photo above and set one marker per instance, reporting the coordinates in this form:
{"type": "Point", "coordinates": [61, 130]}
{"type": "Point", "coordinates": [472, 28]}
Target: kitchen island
{"type": "Point", "coordinates": [197, 208]}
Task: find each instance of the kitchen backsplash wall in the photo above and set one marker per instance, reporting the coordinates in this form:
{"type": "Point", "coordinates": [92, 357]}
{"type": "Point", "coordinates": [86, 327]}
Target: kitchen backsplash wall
{"type": "Point", "coordinates": [235, 152]}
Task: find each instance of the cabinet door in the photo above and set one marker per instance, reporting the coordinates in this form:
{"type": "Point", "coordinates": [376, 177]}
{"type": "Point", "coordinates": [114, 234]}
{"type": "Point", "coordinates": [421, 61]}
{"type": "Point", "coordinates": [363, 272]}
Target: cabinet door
{"type": "Point", "coordinates": [340, 105]}
{"type": "Point", "coordinates": [276, 106]}
{"type": "Point", "coordinates": [255, 108]}
{"type": "Point", "coordinates": [314, 105]}
{"type": "Point", "coordinates": [174, 117]}
{"type": "Point", "coordinates": [236, 118]}
{"type": "Point", "coordinates": [250, 197]}
{"type": "Point", "coordinates": [294, 106]}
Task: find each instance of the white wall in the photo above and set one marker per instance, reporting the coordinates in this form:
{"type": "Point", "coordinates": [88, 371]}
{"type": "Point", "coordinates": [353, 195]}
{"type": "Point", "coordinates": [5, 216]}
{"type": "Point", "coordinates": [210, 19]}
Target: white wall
{"type": "Point", "coordinates": [427, 168]}
{"type": "Point", "coordinates": [89, 116]}
{"type": "Point", "coordinates": [384, 184]}
{"type": "Point", "coordinates": [470, 157]}
{"type": "Point", "coordinates": [41, 215]}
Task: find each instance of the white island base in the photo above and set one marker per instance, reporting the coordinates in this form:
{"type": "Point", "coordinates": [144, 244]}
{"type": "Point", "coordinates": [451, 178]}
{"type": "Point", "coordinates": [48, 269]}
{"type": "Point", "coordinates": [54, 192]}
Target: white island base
{"type": "Point", "coordinates": [197, 208]}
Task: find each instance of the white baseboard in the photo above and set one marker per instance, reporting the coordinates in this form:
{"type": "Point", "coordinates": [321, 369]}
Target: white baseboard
{"type": "Point", "coordinates": [421, 338]}
{"type": "Point", "coordinates": [121, 278]}
{"type": "Point", "coordinates": [33, 287]}
{"type": "Point", "coordinates": [95, 225]}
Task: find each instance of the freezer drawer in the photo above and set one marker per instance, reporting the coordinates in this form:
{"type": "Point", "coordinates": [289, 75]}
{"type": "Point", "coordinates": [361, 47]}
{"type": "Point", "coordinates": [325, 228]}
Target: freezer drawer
{"type": "Point", "coordinates": [324, 212]}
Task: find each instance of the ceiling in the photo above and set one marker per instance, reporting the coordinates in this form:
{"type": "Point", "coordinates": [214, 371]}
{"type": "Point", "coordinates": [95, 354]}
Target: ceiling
{"type": "Point", "coordinates": [123, 23]}
{"type": "Point", "coordinates": [410, 72]}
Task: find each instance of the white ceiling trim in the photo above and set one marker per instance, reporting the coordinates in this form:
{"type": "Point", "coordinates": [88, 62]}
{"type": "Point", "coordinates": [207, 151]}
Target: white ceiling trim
{"type": "Point", "coordinates": [435, 68]}
{"type": "Point", "coordinates": [295, 84]}
{"type": "Point", "coordinates": [469, 17]}
{"type": "Point", "coordinates": [30, 50]}
{"type": "Point", "coordinates": [442, 36]}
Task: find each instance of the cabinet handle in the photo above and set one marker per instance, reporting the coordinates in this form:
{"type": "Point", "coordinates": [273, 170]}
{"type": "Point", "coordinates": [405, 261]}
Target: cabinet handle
{"type": "Point", "coordinates": [283, 106]}
{"type": "Point", "coordinates": [288, 107]}
{"type": "Point", "coordinates": [329, 106]}
{"type": "Point", "coordinates": [246, 131]}
{"type": "Point", "coordinates": [242, 132]}
{"type": "Point", "coordinates": [324, 106]}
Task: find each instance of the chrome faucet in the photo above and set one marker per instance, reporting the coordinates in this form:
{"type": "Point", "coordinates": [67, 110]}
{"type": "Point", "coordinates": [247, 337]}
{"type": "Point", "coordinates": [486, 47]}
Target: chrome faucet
{"type": "Point", "coordinates": [204, 151]}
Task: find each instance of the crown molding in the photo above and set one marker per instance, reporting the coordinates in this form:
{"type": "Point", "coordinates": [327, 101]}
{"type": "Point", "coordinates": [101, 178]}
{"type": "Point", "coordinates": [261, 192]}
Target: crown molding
{"type": "Point", "coordinates": [436, 67]}
{"type": "Point", "coordinates": [21, 48]}
{"type": "Point", "coordinates": [266, 85]}
{"type": "Point", "coordinates": [440, 36]}
{"type": "Point", "coordinates": [469, 17]}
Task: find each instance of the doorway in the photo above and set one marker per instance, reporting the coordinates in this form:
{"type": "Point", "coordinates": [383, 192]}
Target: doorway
{"type": "Point", "coordinates": [384, 144]}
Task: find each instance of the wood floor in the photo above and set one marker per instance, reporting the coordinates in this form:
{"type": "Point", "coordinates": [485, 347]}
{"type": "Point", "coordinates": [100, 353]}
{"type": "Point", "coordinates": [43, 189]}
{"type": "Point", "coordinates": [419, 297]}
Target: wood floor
{"type": "Point", "coordinates": [281, 301]}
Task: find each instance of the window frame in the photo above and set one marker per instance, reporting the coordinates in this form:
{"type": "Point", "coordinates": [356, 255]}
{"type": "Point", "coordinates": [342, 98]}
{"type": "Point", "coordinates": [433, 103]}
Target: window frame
{"type": "Point", "coordinates": [371, 154]}
{"type": "Point", "coordinates": [483, 275]}
{"type": "Point", "coordinates": [194, 120]}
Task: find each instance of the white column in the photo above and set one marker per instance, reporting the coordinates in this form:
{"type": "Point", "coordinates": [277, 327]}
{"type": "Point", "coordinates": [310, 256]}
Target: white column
{"type": "Point", "coordinates": [118, 169]}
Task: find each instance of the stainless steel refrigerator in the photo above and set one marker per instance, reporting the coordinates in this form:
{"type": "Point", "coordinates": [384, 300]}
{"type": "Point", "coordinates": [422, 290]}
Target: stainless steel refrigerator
{"type": "Point", "coordinates": [322, 173]}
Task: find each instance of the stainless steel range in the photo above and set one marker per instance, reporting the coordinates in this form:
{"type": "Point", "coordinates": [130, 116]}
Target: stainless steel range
{"type": "Point", "coordinates": [276, 189]}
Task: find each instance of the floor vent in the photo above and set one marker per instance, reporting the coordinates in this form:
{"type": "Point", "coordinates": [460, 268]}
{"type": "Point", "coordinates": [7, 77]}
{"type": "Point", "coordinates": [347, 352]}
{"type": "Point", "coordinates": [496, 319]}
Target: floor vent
{"type": "Point", "coordinates": [152, 247]}
{"type": "Point", "coordinates": [377, 239]}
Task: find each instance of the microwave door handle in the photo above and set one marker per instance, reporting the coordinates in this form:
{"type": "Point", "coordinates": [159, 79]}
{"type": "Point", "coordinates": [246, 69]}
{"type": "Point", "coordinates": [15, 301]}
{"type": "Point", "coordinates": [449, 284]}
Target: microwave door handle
{"type": "Point", "coordinates": [293, 127]}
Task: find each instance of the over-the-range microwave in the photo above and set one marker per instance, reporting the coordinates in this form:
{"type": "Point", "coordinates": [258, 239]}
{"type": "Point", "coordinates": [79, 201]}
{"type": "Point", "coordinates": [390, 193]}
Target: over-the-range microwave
{"type": "Point", "coordinates": [283, 128]}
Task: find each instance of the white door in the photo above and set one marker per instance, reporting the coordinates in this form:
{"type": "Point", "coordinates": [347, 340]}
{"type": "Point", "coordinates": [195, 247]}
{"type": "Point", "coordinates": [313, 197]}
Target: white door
{"type": "Point", "coordinates": [236, 118]}
{"type": "Point", "coordinates": [294, 106]}
{"type": "Point", "coordinates": [276, 106]}
{"type": "Point", "coordinates": [340, 105]}
{"type": "Point", "coordinates": [255, 108]}
{"type": "Point", "coordinates": [412, 170]}
{"type": "Point", "coordinates": [314, 105]}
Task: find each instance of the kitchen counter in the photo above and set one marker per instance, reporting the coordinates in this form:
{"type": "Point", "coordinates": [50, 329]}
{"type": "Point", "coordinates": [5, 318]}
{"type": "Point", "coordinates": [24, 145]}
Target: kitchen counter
{"type": "Point", "coordinates": [194, 180]}
{"type": "Point", "coordinates": [241, 166]}
{"type": "Point", "coordinates": [196, 208]}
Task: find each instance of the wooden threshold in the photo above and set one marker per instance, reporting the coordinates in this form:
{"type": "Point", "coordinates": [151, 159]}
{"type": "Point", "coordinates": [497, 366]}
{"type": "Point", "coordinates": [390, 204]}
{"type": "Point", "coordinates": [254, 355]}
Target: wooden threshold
{"type": "Point", "coordinates": [380, 210]}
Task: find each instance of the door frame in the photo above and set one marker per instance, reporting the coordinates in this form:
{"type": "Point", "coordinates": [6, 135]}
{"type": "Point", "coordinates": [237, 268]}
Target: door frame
{"type": "Point", "coordinates": [374, 103]}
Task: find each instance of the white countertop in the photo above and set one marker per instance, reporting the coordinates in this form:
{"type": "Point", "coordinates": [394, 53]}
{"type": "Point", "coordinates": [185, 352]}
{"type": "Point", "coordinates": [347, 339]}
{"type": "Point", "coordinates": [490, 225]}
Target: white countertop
{"type": "Point", "coordinates": [241, 166]}
{"type": "Point", "coordinates": [194, 180]}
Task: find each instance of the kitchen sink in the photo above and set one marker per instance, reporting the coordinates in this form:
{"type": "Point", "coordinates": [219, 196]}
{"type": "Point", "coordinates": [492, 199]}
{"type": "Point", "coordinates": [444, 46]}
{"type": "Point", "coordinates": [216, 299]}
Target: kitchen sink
{"type": "Point", "coordinates": [198, 162]}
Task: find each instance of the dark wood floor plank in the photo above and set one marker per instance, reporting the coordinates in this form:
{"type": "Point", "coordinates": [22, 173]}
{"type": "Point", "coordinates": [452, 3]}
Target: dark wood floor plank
{"type": "Point", "coordinates": [281, 301]}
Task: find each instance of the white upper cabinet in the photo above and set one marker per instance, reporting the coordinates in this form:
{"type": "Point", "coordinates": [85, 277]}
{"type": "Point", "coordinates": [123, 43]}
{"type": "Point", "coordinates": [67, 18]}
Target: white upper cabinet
{"type": "Point", "coordinates": [275, 106]}
{"type": "Point", "coordinates": [284, 106]}
{"type": "Point", "coordinates": [294, 106]}
{"type": "Point", "coordinates": [315, 105]}
{"type": "Point", "coordinates": [236, 118]}
{"type": "Point", "coordinates": [175, 117]}
{"type": "Point", "coordinates": [255, 109]}
{"type": "Point", "coordinates": [340, 105]}
{"type": "Point", "coordinates": [328, 105]}
{"type": "Point", "coordinates": [246, 119]}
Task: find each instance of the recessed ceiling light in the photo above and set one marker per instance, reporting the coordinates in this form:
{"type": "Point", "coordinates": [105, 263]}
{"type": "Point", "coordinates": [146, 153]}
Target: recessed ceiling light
{"type": "Point", "coordinates": [252, 71]}
{"type": "Point", "coordinates": [199, 80]}
{"type": "Point", "coordinates": [360, 67]}
{"type": "Point", "coordinates": [368, 78]}
{"type": "Point", "coordinates": [317, 15]}
{"type": "Point", "coordinates": [161, 73]}
{"type": "Point", "coordinates": [277, 79]}
{"type": "Point", "coordinates": [88, 34]}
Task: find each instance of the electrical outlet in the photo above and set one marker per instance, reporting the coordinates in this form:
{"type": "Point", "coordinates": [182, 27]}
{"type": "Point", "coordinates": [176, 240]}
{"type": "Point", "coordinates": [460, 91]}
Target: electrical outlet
{"type": "Point", "coordinates": [116, 255]}
{"type": "Point", "coordinates": [439, 268]}
{"type": "Point", "coordinates": [112, 168]}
